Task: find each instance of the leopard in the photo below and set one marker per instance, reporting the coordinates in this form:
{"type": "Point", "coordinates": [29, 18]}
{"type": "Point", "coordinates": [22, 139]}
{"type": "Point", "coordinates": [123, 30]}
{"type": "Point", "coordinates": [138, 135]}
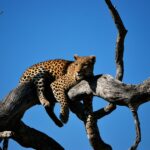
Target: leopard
{"type": "Point", "coordinates": [60, 75]}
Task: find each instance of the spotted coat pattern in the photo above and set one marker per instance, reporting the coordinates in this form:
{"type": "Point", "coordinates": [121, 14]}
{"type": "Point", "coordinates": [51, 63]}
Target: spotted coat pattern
{"type": "Point", "coordinates": [63, 75]}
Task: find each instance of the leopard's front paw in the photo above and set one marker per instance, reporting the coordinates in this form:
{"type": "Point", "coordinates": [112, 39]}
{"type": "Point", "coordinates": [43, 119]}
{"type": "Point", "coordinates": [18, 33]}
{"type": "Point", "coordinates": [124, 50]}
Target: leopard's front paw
{"type": "Point", "coordinates": [63, 118]}
{"type": "Point", "coordinates": [45, 103]}
{"type": "Point", "coordinates": [64, 115]}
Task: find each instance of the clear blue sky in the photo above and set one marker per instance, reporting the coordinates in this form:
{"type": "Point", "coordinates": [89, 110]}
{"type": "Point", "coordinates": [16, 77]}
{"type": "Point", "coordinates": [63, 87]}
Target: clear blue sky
{"type": "Point", "coordinates": [37, 30]}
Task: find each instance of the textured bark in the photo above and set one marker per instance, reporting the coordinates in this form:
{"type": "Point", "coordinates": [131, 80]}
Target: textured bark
{"type": "Point", "coordinates": [120, 40]}
{"type": "Point", "coordinates": [120, 65]}
{"type": "Point", "coordinates": [110, 89]}
{"type": "Point", "coordinates": [115, 92]}
{"type": "Point", "coordinates": [12, 108]}
{"type": "Point", "coordinates": [104, 86]}
{"type": "Point", "coordinates": [91, 122]}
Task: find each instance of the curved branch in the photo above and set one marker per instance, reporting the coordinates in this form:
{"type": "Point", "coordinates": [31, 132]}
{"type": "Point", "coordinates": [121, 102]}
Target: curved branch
{"type": "Point", "coordinates": [104, 111]}
{"type": "Point", "coordinates": [120, 40]}
{"type": "Point", "coordinates": [12, 109]}
{"type": "Point", "coordinates": [20, 99]}
{"type": "Point", "coordinates": [120, 64]}
{"type": "Point", "coordinates": [90, 121]}
{"type": "Point", "coordinates": [104, 86]}
{"type": "Point", "coordinates": [138, 131]}
{"type": "Point", "coordinates": [29, 137]}
{"type": "Point", "coordinates": [116, 92]}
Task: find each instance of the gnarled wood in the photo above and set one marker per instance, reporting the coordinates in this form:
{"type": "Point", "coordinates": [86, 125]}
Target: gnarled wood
{"type": "Point", "coordinates": [12, 108]}
{"type": "Point", "coordinates": [116, 92]}
{"type": "Point", "coordinates": [112, 90]}
{"type": "Point", "coordinates": [120, 40]}
{"type": "Point", "coordinates": [104, 86]}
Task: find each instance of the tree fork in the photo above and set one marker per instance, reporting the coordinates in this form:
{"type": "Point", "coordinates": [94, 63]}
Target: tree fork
{"type": "Point", "coordinates": [12, 108]}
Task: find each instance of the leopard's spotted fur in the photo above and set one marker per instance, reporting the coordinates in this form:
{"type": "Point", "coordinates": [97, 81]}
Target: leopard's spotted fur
{"type": "Point", "coordinates": [63, 75]}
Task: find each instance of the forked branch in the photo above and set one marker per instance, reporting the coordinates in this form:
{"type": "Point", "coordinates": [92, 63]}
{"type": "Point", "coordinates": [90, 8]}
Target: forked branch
{"type": "Point", "coordinates": [120, 64]}
{"type": "Point", "coordinates": [105, 86]}
{"type": "Point", "coordinates": [12, 109]}
{"type": "Point", "coordinates": [92, 124]}
{"type": "Point", "coordinates": [116, 92]}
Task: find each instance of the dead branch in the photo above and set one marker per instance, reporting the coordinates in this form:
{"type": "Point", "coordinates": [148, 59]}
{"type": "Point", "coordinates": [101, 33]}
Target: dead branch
{"type": "Point", "coordinates": [112, 90]}
{"type": "Point", "coordinates": [90, 123]}
{"type": "Point", "coordinates": [29, 137]}
{"type": "Point", "coordinates": [116, 92]}
{"type": "Point", "coordinates": [120, 65]}
{"type": "Point", "coordinates": [120, 40]}
{"type": "Point", "coordinates": [89, 118]}
{"type": "Point", "coordinates": [12, 109]}
{"type": "Point", "coordinates": [104, 86]}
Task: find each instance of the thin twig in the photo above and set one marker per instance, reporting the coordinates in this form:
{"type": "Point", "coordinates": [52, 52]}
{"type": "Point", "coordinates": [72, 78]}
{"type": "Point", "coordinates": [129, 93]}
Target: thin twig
{"type": "Point", "coordinates": [138, 131]}
{"type": "Point", "coordinates": [104, 111]}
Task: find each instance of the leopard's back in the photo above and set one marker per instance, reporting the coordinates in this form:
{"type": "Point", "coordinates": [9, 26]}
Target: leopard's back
{"type": "Point", "coordinates": [53, 68]}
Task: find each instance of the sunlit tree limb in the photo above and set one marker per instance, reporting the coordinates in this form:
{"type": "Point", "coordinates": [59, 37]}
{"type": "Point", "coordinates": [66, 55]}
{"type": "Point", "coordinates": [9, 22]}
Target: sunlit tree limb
{"type": "Point", "coordinates": [116, 92]}
{"type": "Point", "coordinates": [24, 97]}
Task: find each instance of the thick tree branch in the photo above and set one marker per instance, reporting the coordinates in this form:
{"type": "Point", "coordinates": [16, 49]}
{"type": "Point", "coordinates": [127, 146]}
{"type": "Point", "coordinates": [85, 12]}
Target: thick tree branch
{"type": "Point", "coordinates": [104, 86]}
{"type": "Point", "coordinates": [29, 137]}
{"type": "Point", "coordinates": [116, 92]}
{"type": "Point", "coordinates": [120, 64]}
{"type": "Point", "coordinates": [90, 123]}
{"type": "Point", "coordinates": [112, 90]}
{"type": "Point", "coordinates": [12, 109]}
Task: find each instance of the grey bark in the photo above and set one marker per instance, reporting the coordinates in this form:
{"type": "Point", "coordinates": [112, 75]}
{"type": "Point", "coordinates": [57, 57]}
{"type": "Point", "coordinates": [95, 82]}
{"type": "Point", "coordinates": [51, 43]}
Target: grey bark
{"type": "Point", "coordinates": [12, 107]}
{"type": "Point", "coordinates": [118, 93]}
{"type": "Point", "coordinates": [23, 97]}
{"type": "Point", "coordinates": [113, 91]}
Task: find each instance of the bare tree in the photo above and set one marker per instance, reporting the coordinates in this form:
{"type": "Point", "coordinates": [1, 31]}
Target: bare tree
{"type": "Point", "coordinates": [14, 105]}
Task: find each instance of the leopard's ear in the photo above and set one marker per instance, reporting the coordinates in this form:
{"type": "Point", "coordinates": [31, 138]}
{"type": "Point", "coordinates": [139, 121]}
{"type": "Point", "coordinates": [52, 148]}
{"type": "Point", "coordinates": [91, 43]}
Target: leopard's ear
{"type": "Point", "coordinates": [93, 58]}
{"type": "Point", "coordinates": [76, 56]}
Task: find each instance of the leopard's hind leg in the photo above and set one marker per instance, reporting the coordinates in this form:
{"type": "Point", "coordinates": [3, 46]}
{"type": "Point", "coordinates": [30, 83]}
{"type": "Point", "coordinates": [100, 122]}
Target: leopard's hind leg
{"type": "Point", "coordinates": [39, 81]}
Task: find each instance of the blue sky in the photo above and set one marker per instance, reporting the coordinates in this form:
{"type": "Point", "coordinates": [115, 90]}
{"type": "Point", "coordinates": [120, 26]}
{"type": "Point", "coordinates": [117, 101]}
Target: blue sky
{"type": "Point", "coordinates": [38, 30]}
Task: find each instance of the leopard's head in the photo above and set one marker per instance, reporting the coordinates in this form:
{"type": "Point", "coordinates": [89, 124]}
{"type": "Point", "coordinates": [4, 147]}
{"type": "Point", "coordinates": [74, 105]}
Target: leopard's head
{"type": "Point", "coordinates": [83, 66]}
